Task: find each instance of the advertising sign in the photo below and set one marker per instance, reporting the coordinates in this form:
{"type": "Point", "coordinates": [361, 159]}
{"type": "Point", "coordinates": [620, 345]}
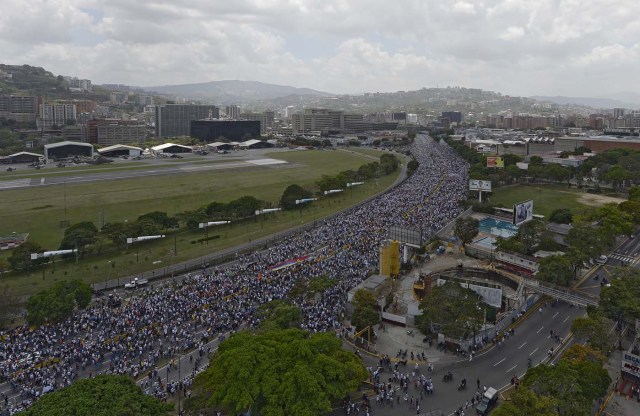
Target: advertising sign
{"type": "Point", "coordinates": [479, 185]}
{"type": "Point", "coordinates": [522, 212]}
{"type": "Point", "coordinates": [495, 162]}
{"type": "Point", "coordinates": [631, 364]}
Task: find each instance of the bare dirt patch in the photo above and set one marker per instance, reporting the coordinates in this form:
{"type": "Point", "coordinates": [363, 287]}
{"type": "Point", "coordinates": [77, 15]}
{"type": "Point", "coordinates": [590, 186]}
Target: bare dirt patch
{"type": "Point", "coordinates": [595, 200]}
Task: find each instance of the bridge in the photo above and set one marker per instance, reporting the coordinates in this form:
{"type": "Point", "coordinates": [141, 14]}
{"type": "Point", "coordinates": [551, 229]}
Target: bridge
{"type": "Point", "coordinates": [560, 294]}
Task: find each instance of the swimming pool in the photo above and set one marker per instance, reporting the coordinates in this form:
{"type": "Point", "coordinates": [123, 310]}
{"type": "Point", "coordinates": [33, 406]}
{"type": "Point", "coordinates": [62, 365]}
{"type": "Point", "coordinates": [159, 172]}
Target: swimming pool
{"type": "Point", "coordinates": [498, 228]}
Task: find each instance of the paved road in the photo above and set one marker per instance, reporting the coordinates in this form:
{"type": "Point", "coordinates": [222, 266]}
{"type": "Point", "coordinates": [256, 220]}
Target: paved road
{"type": "Point", "coordinates": [626, 254]}
{"type": "Point", "coordinates": [494, 367]}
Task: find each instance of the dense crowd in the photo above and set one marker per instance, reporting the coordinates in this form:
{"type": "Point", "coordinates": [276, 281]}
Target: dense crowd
{"type": "Point", "coordinates": [159, 323]}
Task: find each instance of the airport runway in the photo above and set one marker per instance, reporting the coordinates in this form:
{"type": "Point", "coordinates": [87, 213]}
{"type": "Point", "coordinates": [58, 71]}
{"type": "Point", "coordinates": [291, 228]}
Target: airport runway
{"type": "Point", "coordinates": [47, 179]}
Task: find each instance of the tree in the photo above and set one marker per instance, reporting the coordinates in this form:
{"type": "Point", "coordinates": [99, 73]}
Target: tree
{"type": "Point", "coordinates": [561, 216]}
{"type": "Point", "coordinates": [574, 383]}
{"type": "Point", "coordinates": [161, 218]}
{"type": "Point", "coordinates": [620, 300]}
{"type": "Point", "coordinates": [557, 270]}
{"type": "Point", "coordinates": [412, 166]}
{"type": "Point", "coordinates": [58, 302]}
{"type": "Point", "coordinates": [525, 402]}
{"type": "Point", "coordinates": [327, 182]}
{"type": "Point", "coordinates": [466, 229]}
{"type": "Point", "coordinates": [286, 372]}
{"type": "Point", "coordinates": [452, 310]}
{"type": "Point", "coordinates": [594, 329]}
{"type": "Point", "coordinates": [530, 235]}
{"type": "Point", "coordinates": [78, 236]}
{"type": "Point", "coordinates": [9, 305]}
{"type": "Point", "coordinates": [616, 175]}
{"type": "Point", "coordinates": [634, 193]}
{"type": "Point", "coordinates": [102, 395]}
{"type": "Point", "coordinates": [278, 314]}
{"type": "Point", "coordinates": [632, 208]}
{"type": "Point", "coordinates": [244, 207]}
{"type": "Point", "coordinates": [291, 194]}
{"type": "Point", "coordinates": [511, 159]}
{"type": "Point", "coordinates": [364, 312]}
{"type": "Point", "coordinates": [535, 160]}
{"type": "Point", "coordinates": [20, 258]}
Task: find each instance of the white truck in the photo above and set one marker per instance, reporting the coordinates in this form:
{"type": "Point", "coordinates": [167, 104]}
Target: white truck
{"type": "Point", "coordinates": [136, 283]}
{"type": "Point", "coordinates": [489, 399]}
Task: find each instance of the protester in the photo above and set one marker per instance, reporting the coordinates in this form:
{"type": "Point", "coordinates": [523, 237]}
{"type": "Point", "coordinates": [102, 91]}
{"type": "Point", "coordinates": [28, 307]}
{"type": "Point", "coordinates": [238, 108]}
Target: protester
{"type": "Point", "coordinates": [175, 318]}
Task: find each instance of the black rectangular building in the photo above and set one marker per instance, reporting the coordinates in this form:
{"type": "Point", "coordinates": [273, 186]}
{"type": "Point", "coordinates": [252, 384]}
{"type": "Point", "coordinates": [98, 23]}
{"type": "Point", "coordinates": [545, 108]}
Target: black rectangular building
{"type": "Point", "coordinates": [215, 130]}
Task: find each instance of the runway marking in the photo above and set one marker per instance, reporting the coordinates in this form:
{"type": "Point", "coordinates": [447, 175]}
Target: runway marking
{"type": "Point", "coordinates": [499, 362]}
{"type": "Point", "coordinates": [525, 343]}
{"type": "Point", "coordinates": [509, 370]}
{"type": "Point", "coordinates": [42, 181]}
{"type": "Point", "coordinates": [555, 315]}
{"type": "Point", "coordinates": [533, 352]}
{"type": "Point", "coordinates": [539, 330]}
{"type": "Point", "coordinates": [565, 319]}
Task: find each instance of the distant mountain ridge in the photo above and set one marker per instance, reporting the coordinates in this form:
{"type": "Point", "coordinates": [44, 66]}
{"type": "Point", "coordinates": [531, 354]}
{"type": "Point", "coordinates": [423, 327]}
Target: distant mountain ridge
{"type": "Point", "coordinates": [594, 102]}
{"type": "Point", "coordinates": [234, 91]}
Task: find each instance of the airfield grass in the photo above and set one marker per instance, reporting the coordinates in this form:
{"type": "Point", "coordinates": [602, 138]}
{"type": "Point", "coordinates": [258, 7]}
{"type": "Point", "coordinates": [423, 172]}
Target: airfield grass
{"type": "Point", "coordinates": [120, 167]}
{"type": "Point", "coordinates": [40, 210]}
{"type": "Point", "coordinates": [546, 198]}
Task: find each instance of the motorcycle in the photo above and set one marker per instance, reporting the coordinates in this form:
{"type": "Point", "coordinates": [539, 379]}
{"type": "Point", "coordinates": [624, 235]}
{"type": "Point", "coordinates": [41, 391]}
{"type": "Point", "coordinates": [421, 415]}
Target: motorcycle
{"type": "Point", "coordinates": [447, 377]}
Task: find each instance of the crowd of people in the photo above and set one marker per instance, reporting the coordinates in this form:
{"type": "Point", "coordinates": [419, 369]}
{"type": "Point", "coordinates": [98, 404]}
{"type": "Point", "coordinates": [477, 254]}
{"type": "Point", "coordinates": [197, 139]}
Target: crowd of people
{"type": "Point", "coordinates": [159, 323]}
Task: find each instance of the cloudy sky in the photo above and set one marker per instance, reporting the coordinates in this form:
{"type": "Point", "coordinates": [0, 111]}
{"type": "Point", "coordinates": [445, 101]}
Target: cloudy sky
{"type": "Point", "coordinates": [520, 47]}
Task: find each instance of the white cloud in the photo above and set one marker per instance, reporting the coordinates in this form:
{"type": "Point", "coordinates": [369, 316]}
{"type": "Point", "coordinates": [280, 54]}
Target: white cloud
{"type": "Point", "coordinates": [512, 33]}
{"type": "Point", "coordinates": [513, 46]}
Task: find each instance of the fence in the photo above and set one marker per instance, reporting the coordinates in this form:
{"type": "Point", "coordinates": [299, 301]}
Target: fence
{"type": "Point", "coordinates": [229, 255]}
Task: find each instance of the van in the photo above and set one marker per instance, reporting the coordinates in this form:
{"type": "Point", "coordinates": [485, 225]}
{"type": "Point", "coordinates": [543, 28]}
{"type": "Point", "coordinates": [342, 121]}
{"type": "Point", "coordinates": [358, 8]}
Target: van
{"type": "Point", "coordinates": [489, 400]}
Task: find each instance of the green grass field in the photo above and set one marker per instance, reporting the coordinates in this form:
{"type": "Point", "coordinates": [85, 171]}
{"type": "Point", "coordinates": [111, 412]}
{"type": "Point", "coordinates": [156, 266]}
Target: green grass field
{"type": "Point", "coordinates": [546, 198]}
{"type": "Point", "coordinates": [40, 210]}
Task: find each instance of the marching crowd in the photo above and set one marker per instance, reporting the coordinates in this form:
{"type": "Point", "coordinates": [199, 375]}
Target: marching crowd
{"type": "Point", "coordinates": [159, 323]}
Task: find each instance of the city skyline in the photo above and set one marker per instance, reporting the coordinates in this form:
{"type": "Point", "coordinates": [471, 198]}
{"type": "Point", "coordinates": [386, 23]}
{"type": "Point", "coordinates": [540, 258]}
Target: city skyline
{"type": "Point", "coordinates": [516, 47]}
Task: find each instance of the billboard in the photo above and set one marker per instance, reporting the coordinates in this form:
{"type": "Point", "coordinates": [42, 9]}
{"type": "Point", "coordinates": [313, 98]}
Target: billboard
{"type": "Point", "coordinates": [631, 364]}
{"type": "Point", "coordinates": [412, 236]}
{"type": "Point", "coordinates": [479, 185]}
{"type": "Point", "coordinates": [495, 162]}
{"type": "Point", "coordinates": [522, 212]}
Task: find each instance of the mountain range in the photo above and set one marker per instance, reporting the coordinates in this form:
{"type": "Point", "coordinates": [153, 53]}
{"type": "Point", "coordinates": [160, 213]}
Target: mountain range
{"type": "Point", "coordinates": [622, 100]}
{"type": "Point", "coordinates": [234, 91]}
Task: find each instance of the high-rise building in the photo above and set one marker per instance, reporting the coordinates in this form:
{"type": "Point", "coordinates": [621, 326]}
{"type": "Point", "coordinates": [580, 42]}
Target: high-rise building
{"type": "Point", "coordinates": [145, 99]}
{"type": "Point", "coordinates": [452, 116]}
{"type": "Point", "coordinates": [323, 120]}
{"type": "Point", "coordinates": [213, 130]}
{"type": "Point", "coordinates": [58, 114]}
{"type": "Point", "coordinates": [233, 111]}
{"type": "Point", "coordinates": [175, 119]}
{"type": "Point", "coordinates": [618, 112]}
{"type": "Point", "coordinates": [266, 119]}
{"type": "Point", "coordinates": [108, 131]}
{"type": "Point", "coordinates": [20, 108]}
{"type": "Point", "coordinates": [121, 133]}
{"type": "Point", "coordinates": [118, 97]}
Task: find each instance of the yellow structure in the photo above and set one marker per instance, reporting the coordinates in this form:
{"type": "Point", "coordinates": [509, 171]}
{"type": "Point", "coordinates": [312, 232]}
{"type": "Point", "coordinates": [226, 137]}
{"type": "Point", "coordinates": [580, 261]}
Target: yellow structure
{"type": "Point", "coordinates": [390, 259]}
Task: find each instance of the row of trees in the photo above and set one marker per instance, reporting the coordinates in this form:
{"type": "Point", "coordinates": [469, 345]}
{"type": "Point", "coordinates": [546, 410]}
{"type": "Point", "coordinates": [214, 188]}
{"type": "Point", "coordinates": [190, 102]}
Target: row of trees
{"type": "Point", "coordinates": [58, 302]}
{"type": "Point", "coordinates": [85, 236]}
{"type": "Point", "coordinates": [615, 167]}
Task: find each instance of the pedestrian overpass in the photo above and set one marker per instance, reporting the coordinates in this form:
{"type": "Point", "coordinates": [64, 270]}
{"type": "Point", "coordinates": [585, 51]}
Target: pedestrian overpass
{"type": "Point", "coordinates": [560, 294]}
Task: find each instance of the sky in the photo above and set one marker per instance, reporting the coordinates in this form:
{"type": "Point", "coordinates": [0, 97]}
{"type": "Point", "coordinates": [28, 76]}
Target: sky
{"type": "Point", "coordinates": [518, 47]}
